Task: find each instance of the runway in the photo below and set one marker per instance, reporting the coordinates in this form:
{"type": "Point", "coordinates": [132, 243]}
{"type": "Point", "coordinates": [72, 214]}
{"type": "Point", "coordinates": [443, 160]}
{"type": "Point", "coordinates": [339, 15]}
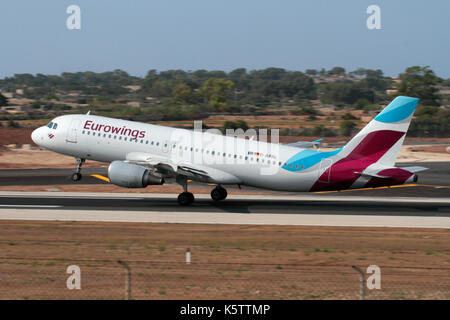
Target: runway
{"type": "Point", "coordinates": [426, 205]}
{"type": "Point", "coordinates": [435, 182]}
{"type": "Point", "coordinates": [280, 210]}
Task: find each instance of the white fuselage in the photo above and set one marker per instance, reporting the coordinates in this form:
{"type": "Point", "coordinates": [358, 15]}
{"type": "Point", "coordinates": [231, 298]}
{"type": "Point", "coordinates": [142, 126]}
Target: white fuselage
{"type": "Point", "coordinates": [252, 162]}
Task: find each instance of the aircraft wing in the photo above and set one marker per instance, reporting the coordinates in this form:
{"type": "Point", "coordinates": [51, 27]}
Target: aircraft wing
{"type": "Point", "coordinates": [169, 168]}
{"type": "Point", "coordinates": [304, 144]}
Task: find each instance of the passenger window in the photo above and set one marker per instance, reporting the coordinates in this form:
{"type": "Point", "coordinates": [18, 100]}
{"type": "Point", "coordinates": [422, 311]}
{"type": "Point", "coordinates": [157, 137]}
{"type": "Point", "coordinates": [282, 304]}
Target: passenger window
{"type": "Point", "coordinates": [55, 125]}
{"type": "Point", "coordinates": [50, 125]}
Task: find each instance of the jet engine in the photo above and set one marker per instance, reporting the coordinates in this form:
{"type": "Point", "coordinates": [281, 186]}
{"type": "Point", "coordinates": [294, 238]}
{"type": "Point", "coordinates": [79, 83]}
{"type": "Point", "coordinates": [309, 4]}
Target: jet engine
{"type": "Point", "coordinates": [131, 176]}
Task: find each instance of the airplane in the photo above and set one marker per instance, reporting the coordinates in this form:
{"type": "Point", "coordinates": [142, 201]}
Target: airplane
{"type": "Point", "coordinates": [141, 154]}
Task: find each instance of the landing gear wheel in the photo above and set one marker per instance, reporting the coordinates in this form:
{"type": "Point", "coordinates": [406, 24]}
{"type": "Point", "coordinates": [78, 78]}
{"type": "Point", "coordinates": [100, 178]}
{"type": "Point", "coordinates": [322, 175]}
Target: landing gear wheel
{"type": "Point", "coordinates": [185, 198]}
{"type": "Point", "coordinates": [76, 176]}
{"type": "Point", "coordinates": [218, 194]}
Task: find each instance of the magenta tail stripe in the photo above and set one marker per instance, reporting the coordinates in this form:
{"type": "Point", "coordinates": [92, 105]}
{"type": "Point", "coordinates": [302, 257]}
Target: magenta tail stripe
{"type": "Point", "coordinates": [366, 153]}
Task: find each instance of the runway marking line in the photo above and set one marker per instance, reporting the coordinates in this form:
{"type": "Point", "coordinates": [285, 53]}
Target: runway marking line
{"type": "Point", "coordinates": [98, 176]}
{"type": "Point", "coordinates": [387, 187]}
{"type": "Point", "coordinates": [28, 206]}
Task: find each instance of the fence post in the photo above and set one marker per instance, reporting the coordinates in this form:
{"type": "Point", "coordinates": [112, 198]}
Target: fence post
{"type": "Point", "coordinates": [362, 287]}
{"type": "Point", "coordinates": [127, 279]}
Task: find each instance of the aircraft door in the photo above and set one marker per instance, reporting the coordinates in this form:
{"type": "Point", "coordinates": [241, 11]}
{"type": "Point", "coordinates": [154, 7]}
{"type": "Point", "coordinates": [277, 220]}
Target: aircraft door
{"type": "Point", "coordinates": [72, 131]}
{"type": "Point", "coordinates": [325, 170]}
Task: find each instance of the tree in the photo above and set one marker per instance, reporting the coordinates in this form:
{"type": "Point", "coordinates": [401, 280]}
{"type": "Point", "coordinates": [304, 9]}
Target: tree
{"type": "Point", "coordinates": [3, 100]}
{"type": "Point", "coordinates": [337, 71]}
{"type": "Point", "coordinates": [419, 82]}
{"type": "Point", "coordinates": [183, 94]}
{"type": "Point", "coordinates": [238, 124]}
{"type": "Point", "coordinates": [311, 72]}
{"type": "Point", "coordinates": [345, 93]}
{"type": "Point", "coordinates": [13, 124]}
{"type": "Point", "coordinates": [216, 92]}
{"type": "Point", "coordinates": [349, 116]}
{"type": "Point", "coordinates": [346, 127]}
{"type": "Point", "coordinates": [375, 80]}
{"type": "Point", "coordinates": [360, 72]}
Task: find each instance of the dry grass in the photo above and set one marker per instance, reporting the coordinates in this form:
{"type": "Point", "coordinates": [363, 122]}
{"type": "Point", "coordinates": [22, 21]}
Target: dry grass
{"type": "Point", "coordinates": [229, 261]}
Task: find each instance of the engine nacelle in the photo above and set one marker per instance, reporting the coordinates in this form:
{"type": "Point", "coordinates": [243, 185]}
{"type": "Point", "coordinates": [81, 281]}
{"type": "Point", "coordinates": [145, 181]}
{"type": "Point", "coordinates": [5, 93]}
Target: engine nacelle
{"type": "Point", "coordinates": [131, 176]}
{"type": "Point", "coordinates": [413, 179]}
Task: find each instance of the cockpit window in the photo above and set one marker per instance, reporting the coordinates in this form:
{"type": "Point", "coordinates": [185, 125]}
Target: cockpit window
{"type": "Point", "coordinates": [52, 125]}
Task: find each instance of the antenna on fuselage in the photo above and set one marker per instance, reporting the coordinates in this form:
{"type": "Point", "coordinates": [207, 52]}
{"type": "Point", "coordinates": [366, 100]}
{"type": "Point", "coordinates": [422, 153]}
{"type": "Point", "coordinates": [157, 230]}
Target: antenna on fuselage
{"type": "Point", "coordinates": [89, 112]}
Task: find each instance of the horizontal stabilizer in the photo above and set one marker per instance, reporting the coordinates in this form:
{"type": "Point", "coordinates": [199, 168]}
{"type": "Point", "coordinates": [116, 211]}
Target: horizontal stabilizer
{"type": "Point", "coordinates": [414, 169]}
{"type": "Point", "coordinates": [304, 144]}
{"type": "Point", "coordinates": [372, 175]}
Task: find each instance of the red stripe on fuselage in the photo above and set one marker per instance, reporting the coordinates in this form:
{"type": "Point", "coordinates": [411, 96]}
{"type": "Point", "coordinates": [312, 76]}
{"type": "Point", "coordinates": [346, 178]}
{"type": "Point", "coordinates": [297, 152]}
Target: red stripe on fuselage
{"type": "Point", "coordinates": [367, 152]}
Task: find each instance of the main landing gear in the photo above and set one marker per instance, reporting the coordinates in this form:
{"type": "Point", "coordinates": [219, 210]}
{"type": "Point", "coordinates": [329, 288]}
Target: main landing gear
{"type": "Point", "coordinates": [219, 193]}
{"type": "Point", "coordinates": [76, 176]}
{"type": "Point", "coordinates": [185, 198]}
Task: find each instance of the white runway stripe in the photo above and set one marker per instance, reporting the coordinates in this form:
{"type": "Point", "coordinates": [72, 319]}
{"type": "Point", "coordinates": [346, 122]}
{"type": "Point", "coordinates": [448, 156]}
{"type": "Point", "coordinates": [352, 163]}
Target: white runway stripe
{"type": "Point", "coordinates": [28, 206]}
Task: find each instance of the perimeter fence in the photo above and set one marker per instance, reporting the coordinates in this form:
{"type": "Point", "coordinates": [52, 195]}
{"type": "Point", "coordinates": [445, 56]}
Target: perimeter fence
{"type": "Point", "coordinates": [100, 279]}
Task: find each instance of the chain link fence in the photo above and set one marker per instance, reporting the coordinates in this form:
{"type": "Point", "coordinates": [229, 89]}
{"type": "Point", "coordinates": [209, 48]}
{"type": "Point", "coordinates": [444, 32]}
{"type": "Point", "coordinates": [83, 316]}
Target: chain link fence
{"type": "Point", "coordinates": [45, 279]}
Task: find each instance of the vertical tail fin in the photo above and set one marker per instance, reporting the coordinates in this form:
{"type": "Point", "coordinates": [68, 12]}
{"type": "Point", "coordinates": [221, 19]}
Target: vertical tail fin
{"type": "Point", "coordinates": [381, 139]}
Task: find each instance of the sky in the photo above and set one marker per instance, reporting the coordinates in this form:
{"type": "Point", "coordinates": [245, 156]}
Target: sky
{"type": "Point", "coordinates": [139, 35]}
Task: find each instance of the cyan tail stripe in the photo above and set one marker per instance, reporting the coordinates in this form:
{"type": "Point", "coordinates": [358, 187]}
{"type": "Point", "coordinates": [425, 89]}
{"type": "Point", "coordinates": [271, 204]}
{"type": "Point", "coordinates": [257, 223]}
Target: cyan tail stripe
{"type": "Point", "coordinates": [307, 158]}
{"type": "Point", "coordinates": [399, 109]}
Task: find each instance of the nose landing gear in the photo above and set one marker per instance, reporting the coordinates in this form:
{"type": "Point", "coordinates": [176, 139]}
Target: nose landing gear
{"type": "Point", "coordinates": [76, 176]}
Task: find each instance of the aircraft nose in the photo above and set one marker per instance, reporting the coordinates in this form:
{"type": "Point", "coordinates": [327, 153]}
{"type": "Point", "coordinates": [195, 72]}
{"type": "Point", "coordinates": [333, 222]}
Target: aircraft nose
{"type": "Point", "coordinates": [36, 136]}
